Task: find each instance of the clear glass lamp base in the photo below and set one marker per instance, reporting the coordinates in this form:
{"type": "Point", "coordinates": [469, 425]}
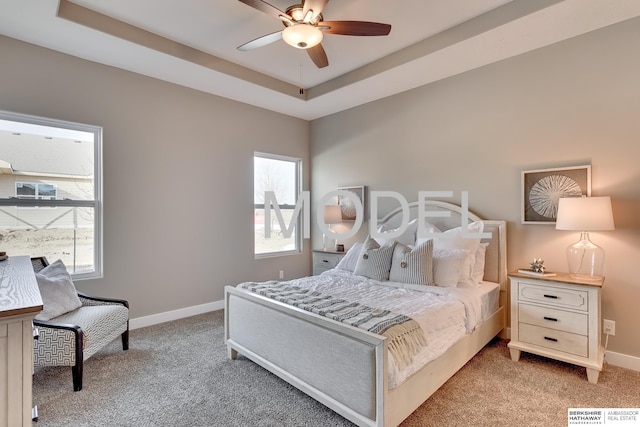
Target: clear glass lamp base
{"type": "Point", "coordinates": [328, 244]}
{"type": "Point", "coordinates": [586, 259]}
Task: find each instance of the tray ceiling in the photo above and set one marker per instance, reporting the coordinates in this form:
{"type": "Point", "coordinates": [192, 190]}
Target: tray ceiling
{"type": "Point", "coordinates": [193, 43]}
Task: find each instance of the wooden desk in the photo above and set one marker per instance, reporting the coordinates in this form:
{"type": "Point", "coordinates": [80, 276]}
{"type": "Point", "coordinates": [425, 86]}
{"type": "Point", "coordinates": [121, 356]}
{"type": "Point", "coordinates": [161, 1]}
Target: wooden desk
{"type": "Point", "coordinates": [20, 302]}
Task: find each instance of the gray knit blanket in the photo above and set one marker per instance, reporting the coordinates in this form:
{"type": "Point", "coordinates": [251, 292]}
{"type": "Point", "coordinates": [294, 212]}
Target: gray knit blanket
{"type": "Point", "coordinates": [404, 335]}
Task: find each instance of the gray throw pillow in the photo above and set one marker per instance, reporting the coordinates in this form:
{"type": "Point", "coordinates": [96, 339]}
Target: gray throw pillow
{"type": "Point", "coordinates": [413, 266]}
{"type": "Point", "coordinates": [57, 290]}
{"type": "Point", "coordinates": [375, 260]}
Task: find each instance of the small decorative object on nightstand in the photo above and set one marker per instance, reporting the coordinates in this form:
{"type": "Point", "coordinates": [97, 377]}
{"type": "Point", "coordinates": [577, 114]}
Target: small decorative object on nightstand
{"type": "Point", "coordinates": [537, 269]}
{"type": "Point", "coordinates": [325, 260]}
{"type": "Point", "coordinates": [557, 317]}
{"type": "Point", "coordinates": [537, 265]}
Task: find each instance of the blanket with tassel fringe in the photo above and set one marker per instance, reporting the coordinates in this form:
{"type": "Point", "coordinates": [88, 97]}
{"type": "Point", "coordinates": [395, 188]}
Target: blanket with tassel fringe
{"type": "Point", "coordinates": [405, 336]}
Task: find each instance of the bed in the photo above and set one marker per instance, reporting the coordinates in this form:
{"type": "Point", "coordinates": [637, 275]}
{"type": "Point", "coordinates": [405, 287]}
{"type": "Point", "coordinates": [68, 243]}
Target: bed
{"type": "Point", "coordinates": [347, 368]}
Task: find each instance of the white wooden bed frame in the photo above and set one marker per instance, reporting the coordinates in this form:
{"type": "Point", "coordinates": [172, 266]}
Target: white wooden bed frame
{"type": "Point", "coordinates": [344, 367]}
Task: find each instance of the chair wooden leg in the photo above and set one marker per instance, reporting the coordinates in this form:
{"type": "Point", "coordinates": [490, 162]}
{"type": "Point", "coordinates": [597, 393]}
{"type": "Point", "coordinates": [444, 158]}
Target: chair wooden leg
{"type": "Point", "coordinates": [77, 375]}
{"type": "Point", "coordinates": [76, 370]}
{"type": "Point", "coordinates": [125, 340]}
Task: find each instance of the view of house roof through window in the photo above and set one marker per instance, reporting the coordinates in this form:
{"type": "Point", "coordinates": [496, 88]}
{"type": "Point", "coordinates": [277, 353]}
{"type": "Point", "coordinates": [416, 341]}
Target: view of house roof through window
{"type": "Point", "coordinates": [50, 191]}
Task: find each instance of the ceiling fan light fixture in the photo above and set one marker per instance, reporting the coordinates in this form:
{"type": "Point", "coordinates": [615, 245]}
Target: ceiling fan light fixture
{"type": "Point", "coordinates": [302, 36]}
{"type": "Point", "coordinates": [295, 12]}
{"type": "Point", "coordinates": [307, 16]}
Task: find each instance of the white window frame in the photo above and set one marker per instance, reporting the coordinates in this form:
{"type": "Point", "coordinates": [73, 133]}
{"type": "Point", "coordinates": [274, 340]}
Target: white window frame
{"type": "Point", "coordinates": [298, 190]}
{"type": "Point", "coordinates": [95, 204]}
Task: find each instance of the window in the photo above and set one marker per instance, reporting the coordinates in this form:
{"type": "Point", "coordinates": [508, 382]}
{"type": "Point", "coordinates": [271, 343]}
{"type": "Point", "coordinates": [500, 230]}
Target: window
{"type": "Point", "coordinates": [50, 191]}
{"type": "Point", "coordinates": [282, 175]}
{"type": "Point", "coordinates": [36, 191]}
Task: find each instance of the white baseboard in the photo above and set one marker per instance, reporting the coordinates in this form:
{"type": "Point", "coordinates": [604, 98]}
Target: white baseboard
{"type": "Point", "coordinates": [622, 360]}
{"type": "Point", "coordinates": [167, 316]}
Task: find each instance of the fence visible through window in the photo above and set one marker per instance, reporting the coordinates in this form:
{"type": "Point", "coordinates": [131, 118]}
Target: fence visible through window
{"type": "Point", "coordinates": [50, 192]}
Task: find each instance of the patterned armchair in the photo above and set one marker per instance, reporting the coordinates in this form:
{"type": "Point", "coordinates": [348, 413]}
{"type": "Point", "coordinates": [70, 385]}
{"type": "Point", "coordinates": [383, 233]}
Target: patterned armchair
{"type": "Point", "coordinates": [71, 338]}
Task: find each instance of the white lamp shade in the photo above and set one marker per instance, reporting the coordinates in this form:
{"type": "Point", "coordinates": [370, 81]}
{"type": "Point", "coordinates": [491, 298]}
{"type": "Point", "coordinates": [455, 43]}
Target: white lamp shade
{"type": "Point", "coordinates": [332, 214]}
{"type": "Point", "coordinates": [302, 36]}
{"type": "Point", "coordinates": [585, 214]}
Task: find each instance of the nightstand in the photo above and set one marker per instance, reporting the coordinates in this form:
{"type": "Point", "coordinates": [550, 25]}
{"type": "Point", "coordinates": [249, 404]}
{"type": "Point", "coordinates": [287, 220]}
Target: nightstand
{"type": "Point", "coordinates": [557, 317]}
{"type": "Point", "coordinates": [325, 260]}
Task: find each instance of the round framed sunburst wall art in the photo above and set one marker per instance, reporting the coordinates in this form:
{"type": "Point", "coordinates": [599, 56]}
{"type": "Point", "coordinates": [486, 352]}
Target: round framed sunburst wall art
{"type": "Point", "coordinates": [542, 188]}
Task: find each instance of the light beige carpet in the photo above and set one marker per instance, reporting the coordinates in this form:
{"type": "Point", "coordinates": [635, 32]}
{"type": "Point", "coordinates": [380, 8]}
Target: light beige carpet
{"type": "Point", "coordinates": [493, 390]}
{"type": "Point", "coordinates": [177, 374]}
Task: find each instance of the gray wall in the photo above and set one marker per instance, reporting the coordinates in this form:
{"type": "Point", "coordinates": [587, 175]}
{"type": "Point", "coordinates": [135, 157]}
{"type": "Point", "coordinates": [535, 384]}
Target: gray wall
{"type": "Point", "coordinates": [573, 103]}
{"type": "Point", "coordinates": [178, 175]}
{"type": "Point", "coordinates": [177, 162]}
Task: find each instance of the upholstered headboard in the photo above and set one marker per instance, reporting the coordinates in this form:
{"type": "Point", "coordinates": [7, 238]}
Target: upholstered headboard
{"type": "Point", "coordinates": [451, 216]}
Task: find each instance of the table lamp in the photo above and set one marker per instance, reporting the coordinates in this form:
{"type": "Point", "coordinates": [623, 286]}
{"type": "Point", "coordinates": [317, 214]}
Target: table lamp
{"type": "Point", "coordinates": [585, 214]}
{"type": "Point", "coordinates": [332, 215]}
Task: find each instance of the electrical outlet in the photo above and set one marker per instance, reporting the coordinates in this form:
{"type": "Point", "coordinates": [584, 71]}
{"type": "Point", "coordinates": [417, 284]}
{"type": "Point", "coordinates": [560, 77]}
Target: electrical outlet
{"type": "Point", "coordinates": [282, 274]}
{"type": "Point", "coordinates": [609, 327]}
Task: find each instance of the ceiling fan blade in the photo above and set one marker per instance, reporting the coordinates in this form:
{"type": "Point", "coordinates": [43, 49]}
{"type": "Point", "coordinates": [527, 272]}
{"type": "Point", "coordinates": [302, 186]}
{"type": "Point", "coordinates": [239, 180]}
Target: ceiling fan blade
{"type": "Point", "coordinates": [316, 5]}
{"type": "Point", "coordinates": [355, 28]}
{"type": "Point", "coordinates": [318, 56]}
{"type": "Point", "coordinates": [261, 41]}
{"type": "Point", "coordinates": [265, 7]}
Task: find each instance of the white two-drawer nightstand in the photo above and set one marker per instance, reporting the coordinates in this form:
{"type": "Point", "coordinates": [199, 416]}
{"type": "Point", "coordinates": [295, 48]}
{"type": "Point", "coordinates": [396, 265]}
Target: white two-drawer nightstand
{"type": "Point", "coordinates": [557, 317]}
{"type": "Point", "coordinates": [325, 260]}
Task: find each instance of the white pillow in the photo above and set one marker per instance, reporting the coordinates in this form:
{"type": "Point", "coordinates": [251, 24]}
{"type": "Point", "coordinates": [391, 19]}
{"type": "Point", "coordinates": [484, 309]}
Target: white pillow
{"type": "Point", "coordinates": [57, 290]}
{"type": "Point", "coordinates": [428, 228]}
{"type": "Point", "coordinates": [452, 267]}
{"type": "Point", "coordinates": [348, 261]}
{"type": "Point", "coordinates": [478, 267]}
{"type": "Point", "coordinates": [408, 236]}
{"type": "Point", "coordinates": [413, 266]}
{"type": "Point", "coordinates": [374, 261]}
{"type": "Point", "coordinates": [454, 239]}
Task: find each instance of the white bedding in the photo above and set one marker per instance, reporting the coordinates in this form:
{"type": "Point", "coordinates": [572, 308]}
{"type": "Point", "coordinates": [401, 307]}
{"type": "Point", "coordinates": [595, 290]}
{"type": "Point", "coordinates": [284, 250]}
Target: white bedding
{"type": "Point", "coordinates": [445, 314]}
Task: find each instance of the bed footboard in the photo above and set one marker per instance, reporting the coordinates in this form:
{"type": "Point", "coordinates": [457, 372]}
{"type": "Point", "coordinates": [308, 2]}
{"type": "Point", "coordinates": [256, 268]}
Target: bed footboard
{"type": "Point", "coordinates": [338, 365]}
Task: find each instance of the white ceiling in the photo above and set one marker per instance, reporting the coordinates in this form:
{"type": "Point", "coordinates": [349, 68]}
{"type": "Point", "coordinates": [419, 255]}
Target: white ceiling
{"type": "Point", "coordinates": [193, 43]}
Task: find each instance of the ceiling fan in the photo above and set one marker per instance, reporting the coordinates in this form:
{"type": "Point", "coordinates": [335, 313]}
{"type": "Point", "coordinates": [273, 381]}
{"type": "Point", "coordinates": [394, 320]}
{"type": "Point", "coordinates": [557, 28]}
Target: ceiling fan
{"type": "Point", "coordinates": [305, 27]}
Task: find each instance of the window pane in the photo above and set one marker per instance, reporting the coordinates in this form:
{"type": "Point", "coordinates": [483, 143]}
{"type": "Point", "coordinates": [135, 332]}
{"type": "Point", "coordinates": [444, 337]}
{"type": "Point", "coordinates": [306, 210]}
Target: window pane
{"type": "Point", "coordinates": [47, 191]}
{"type": "Point", "coordinates": [64, 156]}
{"type": "Point", "coordinates": [65, 233]}
{"type": "Point", "coordinates": [277, 242]}
{"type": "Point", "coordinates": [280, 175]}
{"type": "Point", "coordinates": [50, 191]}
{"type": "Point", "coordinates": [274, 175]}
{"type": "Point", "coordinates": [24, 189]}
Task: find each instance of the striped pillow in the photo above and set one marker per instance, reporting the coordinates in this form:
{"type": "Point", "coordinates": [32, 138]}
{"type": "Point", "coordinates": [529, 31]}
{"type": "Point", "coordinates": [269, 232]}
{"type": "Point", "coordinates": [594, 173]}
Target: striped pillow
{"type": "Point", "coordinates": [375, 260]}
{"type": "Point", "coordinates": [413, 266]}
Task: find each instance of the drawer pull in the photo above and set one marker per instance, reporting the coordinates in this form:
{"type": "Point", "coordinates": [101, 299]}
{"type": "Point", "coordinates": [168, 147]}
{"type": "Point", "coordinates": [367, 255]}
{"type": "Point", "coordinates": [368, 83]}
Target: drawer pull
{"type": "Point", "coordinates": [551, 296]}
{"type": "Point", "coordinates": [551, 339]}
{"type": "Point", "coordinates": [550, 318]}
{"type": "Point", "coordinates": [325, 260]}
